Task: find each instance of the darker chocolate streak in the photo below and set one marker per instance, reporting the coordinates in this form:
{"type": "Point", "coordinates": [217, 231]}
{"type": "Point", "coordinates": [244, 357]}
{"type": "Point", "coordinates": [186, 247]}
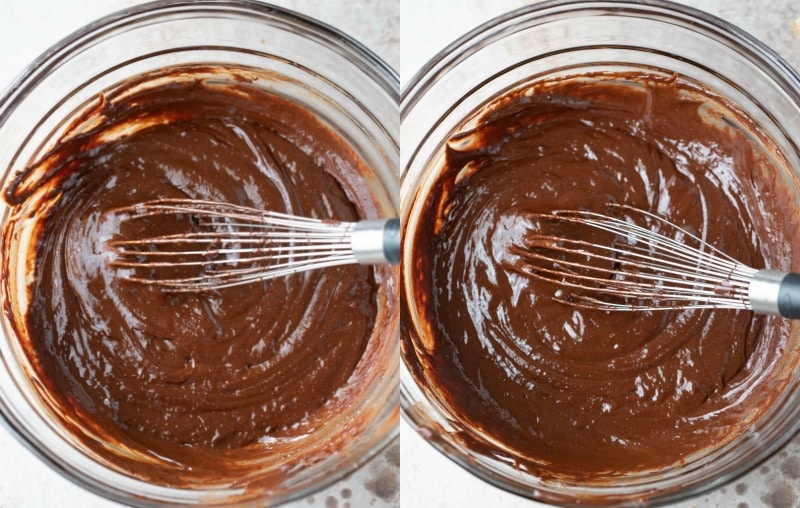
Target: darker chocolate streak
{"type": "Point", "coordinates": [586, 394]}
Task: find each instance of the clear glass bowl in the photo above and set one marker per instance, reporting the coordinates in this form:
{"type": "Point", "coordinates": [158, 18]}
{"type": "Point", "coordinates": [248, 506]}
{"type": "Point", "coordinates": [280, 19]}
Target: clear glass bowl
{"type": "Point", "coordinates": [315, 65]}
{"type": "Point", "coordinates": [559, 38]}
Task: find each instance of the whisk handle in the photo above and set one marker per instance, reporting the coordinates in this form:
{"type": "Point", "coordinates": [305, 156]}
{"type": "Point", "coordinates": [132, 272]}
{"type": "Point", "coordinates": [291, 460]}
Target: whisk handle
{"type": "Point", "coordinates": [376, 241]}
{"type": "Point", "coordinates": [391, 241]}
{"type": "Point", "coordinates": [775, 292]}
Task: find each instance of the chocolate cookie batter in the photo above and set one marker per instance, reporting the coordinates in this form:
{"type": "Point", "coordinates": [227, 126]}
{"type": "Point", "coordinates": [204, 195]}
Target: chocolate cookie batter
{"type": "Point", "coordinates": [586, 395]}
{"type": "Point", "coordinates": [205, 384]}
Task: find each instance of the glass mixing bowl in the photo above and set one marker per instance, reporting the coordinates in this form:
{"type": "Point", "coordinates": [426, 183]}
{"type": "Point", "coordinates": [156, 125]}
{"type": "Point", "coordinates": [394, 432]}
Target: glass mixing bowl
{"type": "Point", "coordinates": [559, 38]}
{"type": "Point", "coordinates": [345, 84]}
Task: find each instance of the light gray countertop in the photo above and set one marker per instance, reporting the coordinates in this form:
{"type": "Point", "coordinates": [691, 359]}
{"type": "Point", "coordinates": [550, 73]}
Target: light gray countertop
{"type": "Point", "coordinates": [28, 28]}
{"type": "Point", "coordinates": [429, 480]}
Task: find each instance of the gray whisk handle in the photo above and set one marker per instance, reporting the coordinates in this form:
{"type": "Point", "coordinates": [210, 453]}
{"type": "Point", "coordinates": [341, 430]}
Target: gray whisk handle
{"type": "Point", "coordinates": [376, 241]}
{"type": "Point", "coordinates": [775, 292]}
{"type": "Point", "coordinates": [391, 241]}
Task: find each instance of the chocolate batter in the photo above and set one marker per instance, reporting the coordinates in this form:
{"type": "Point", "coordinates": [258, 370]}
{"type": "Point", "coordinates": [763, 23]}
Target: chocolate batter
{"type": "Point", "coordinates": [197, 383]}
{"type": "Point", "coordinates": [587, 395]}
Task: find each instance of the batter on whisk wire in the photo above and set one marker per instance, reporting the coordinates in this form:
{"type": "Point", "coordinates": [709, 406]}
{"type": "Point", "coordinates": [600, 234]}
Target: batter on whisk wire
{"type": "Point", "coordinates": [586, 395]}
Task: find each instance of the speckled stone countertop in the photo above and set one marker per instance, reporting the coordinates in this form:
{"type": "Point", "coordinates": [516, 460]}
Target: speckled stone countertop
{"type": "Point", "coordinates": [28, 28]}
{"type": "Point", "coordinates": [429, 480]}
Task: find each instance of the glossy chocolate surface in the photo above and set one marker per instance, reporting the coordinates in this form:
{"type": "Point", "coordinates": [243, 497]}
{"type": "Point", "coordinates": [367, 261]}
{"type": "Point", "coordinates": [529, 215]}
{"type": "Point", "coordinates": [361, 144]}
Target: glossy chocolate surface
{"type": "Point", "coordinates": [577, 394]}
{"type": "Point", "coordinates": [182, 387]}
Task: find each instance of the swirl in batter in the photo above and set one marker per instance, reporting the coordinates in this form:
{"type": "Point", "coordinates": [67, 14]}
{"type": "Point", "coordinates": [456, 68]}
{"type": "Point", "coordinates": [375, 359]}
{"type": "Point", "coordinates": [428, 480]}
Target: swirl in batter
{"type": "Point", "coordinates": [578, 394]}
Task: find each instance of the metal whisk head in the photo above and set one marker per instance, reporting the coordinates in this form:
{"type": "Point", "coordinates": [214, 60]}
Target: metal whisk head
{"type": "Point", "coordinates": [644, 262]}
{"type": "Point", "coordinates": [220, 245]}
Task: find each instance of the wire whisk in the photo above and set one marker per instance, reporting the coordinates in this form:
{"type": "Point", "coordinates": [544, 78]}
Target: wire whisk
{"type": "Point", "coordinates": [645, 262]}
{"type": "Point", "coordinates": [223, 245]}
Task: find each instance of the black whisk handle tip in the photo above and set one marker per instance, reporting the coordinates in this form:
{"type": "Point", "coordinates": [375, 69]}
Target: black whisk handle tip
{"type": "Point", "coordinates": [789, 296]}
{"type": "Point", "coordinates": [391, 241]}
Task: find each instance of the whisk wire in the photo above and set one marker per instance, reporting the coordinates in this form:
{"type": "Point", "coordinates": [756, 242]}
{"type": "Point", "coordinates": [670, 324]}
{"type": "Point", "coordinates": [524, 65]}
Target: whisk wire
{"type": "Point", "coordinates": [233, 245]}
{"type": "Point", "coordinates": [633, 258]}
{"type": "Point", "coordinates": [642, 269]}
{"type": "Point", "coordinates": [230, 278]}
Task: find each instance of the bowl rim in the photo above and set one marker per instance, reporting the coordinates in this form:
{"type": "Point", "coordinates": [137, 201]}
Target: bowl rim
{"type": "Point", "coordinates": [381, 72]}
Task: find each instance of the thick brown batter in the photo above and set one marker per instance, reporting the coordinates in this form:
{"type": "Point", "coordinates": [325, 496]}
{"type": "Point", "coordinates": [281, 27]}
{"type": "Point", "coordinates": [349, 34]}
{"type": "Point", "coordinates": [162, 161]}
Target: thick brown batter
{"type": "Point", "coordinates": [203, 382]}
{"type": "Point", "coordinates": [577, 394]}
